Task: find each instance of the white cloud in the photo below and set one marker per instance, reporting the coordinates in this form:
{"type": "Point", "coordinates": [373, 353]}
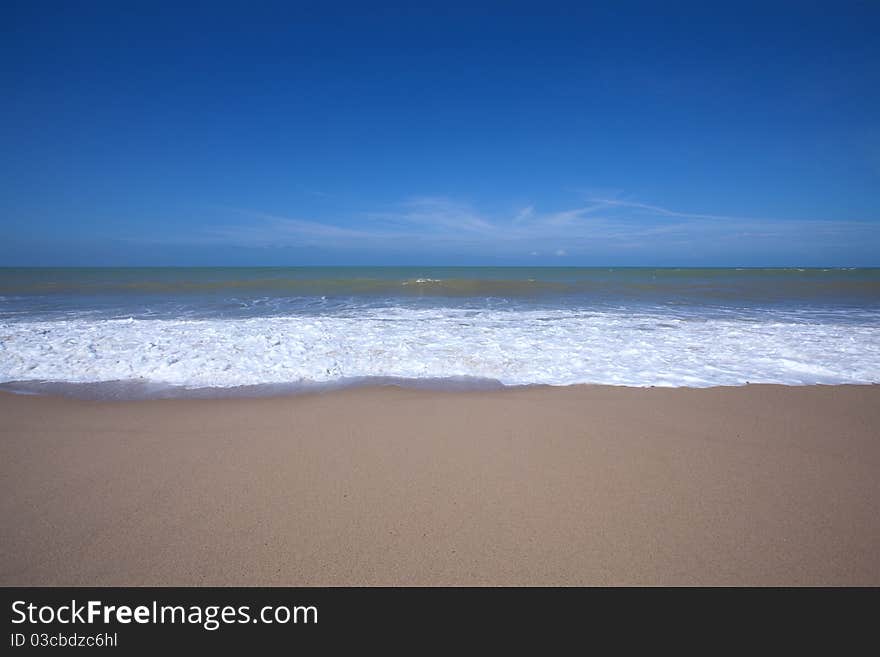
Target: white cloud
{"type": "Point", "coordinates": [440, 223]}
{"type": "Point", "coordinates": [524, 214]}
{"type": "Point", "coordinates": [435, 213]}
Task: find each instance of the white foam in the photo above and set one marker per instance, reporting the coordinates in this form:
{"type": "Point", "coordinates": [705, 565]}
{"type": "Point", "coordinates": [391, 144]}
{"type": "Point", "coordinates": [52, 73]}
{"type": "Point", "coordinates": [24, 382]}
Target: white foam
{"type": "Point", "coordinates": [513, 347]}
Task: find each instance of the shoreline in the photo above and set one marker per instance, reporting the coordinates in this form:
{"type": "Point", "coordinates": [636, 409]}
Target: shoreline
{"type": "Point", "coordinates": [382, 485]}
{"type": "Point", "coordinates": [135, 391]}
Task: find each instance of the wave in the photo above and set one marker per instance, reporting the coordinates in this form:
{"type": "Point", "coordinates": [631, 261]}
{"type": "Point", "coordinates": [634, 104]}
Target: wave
{"type": "Point", "coordinates": [521, 347]}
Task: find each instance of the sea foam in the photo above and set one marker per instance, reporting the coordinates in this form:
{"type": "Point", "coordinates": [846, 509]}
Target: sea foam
{"type": "Point", "coordinates": [513, 347]}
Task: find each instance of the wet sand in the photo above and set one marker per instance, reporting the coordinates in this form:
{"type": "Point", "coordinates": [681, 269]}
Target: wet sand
{"type": "Point", "coordinates": [586, 485]}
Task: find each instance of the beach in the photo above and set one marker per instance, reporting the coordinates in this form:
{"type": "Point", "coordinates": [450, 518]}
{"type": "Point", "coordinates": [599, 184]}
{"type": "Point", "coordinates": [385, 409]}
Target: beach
{"type": "Point", "coordinates": [383, 485]}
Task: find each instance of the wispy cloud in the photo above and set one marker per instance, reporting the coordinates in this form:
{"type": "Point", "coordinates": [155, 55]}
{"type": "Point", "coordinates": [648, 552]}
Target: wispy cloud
{"type": "Point", "coordinates": [656, 210]}
{"type": "Point", "coordinates": [437, 223]}
{"type": "Point", "coordinates": [261, 229]}
{"type": "Point", "coordinates": [435, 213]}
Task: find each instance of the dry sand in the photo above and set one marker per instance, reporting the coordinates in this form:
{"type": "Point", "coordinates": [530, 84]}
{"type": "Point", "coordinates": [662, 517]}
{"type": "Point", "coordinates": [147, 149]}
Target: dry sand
{"type": "Point", "coordinates": [582, 485]}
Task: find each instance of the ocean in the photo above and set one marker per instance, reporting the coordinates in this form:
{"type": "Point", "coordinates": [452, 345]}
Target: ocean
{"type": "Point", "coordinates": [153, 332]}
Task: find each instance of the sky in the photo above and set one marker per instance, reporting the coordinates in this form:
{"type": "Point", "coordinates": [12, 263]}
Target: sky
{"type": "Point", "coordinates": [253, 133]}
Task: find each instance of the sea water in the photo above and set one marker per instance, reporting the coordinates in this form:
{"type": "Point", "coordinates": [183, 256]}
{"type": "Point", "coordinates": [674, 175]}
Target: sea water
{"type": "Point", "coordinates": [190, 331]}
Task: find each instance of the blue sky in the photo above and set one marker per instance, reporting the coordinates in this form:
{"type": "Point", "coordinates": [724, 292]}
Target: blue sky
{"type": "Point", "coordinates": [529, 134]}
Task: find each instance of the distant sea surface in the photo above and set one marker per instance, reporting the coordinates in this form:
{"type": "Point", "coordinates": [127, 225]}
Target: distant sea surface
{"type": "Point", "coordinates": [132, 332]}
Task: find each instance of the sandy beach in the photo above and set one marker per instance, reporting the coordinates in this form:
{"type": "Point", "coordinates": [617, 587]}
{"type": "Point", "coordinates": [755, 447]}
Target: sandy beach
{"type": "Point", "coordinates": [584, 485]}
